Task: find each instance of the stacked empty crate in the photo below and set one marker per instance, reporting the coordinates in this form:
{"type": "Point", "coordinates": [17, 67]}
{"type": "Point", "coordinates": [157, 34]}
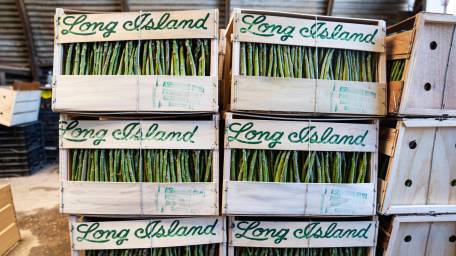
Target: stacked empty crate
{"type": "Point", "coordinates": [417, 175]}
{"type": "Point", "coordinates": [295, 184]}
{"type": "Point", "coordinates": [139, 134]}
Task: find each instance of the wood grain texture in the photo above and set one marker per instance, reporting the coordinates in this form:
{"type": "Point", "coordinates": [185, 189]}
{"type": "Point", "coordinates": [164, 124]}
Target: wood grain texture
{"type": "Point", "coordinates": [135, 93]}
{"type": "Point", "coordinates": [417, 232]}
{"type": "Point", "coordinates": [307, 95]}
{"type": "Point", "coordinates": [438, 242]}
{"type": "Point", "coordinates": [144, 199]}
{"type": "Point", "coordinates": [18, 107]}
{"type": "Point", "coordinates": [400, 43]}
{"type": "Point", "coordinates": [269, 198]}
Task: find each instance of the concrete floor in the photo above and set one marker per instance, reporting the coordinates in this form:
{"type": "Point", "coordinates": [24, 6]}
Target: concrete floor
{"type": "Point", "coordinates": [43, 229]}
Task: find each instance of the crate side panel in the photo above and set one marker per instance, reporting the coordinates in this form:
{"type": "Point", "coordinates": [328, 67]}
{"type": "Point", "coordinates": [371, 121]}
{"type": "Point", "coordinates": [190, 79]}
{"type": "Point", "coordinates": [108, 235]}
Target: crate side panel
{"type": "Point", "coordinates": [416, 246]}
{"type": "Point", "coordinates": [440, 237]}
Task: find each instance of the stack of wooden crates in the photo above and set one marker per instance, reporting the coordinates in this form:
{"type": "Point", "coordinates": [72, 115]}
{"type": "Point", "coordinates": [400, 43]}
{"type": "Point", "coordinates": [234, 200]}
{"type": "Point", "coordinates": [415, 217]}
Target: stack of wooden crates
{"type": "Point", "coordinates": [417, 175]}
{"type": "Point", "coordinates": [139, 141]}
{"type": "Point", "coordinates": [303, 94]}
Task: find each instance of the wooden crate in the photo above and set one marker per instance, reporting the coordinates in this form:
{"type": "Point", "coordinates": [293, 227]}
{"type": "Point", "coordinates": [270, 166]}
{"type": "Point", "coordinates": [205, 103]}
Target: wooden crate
{"type": "Point", "coordinates": [138, 198]}
{"type": "Point", "coordinates": [134, 93]}
{"type": "Point", "coordinates": [9, 231]}
{"type": "Point", "coordinates": [420, 167]}
{"type": "Point", "coordinates": [298, 233]}
{"type": "Point", "coordinates": [300, 95]}
{"type": "Point", "coordinates": [428, 85]}
{"type": "Point", "coordinates": [139, 234]}
{"type": "Point", "coordinates": [275, 198]}
{"type": "Point", "coordinates": [18, 107]}
{"type": "Point", "coordinates": [408, 235]}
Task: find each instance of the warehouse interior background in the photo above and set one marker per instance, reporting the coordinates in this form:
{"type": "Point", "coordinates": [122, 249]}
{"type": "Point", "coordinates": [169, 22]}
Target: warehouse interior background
{"type": "Point", "coordinates": [26, 53]}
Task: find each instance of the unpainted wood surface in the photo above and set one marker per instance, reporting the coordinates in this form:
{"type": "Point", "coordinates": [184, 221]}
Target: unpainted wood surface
{"type": "Point", "coordinates": [94, 198]}
{"type": "Point", "coordinates": [135, 93]}
{"type": "Point", "coordinates": [449, 97]}
{"type": "Point", "coordinates": [400, 43]}
{"type": "Point", "coordinates": [443, 170]}
{"type": "Point", "coordinates": [269, 198]}
{"type": "Point", "coordinates": [428, 66]}
{"type": "Point", "coordinates": [438, 242]}
{"type": "Point", "coordinates": [418, 232]}
{"type": "Point", "coordinates": [307, 95]}
{"type": "Point", "coordinates": [411, 164]}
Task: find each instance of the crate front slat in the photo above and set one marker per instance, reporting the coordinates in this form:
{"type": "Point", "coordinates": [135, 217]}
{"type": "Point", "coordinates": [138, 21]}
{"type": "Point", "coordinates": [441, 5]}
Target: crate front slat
{"type": "Point", "coordinates": [253, 232]}
{"type": "Point", "coordinates": [280, 198]}
{"type": "Point", "coordinates": [145, 198]}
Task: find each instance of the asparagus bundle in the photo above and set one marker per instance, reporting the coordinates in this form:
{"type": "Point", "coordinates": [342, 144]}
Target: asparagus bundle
{"type": "Point", "coordinates": [134, 165]}
{"type": "Point", "coordinates": [194, 250]}
{"type": "Point", "coordinates": [298, 166]}
{"type": "Point", "coordinates": [257, 59]}
{"type": "Point", "coordinates": [245, 251]}
{"type": "Point", "coordinates": [396, 68]}
{"type": "Point", "coordinates": [150, 57]}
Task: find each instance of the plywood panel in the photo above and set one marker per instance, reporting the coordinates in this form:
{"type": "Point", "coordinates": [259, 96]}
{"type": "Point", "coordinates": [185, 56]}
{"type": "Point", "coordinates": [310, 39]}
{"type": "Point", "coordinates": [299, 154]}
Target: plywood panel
{"type": "Point", "coordinates": [412, 166]}
{"type": "Point", "coordinates": [8, 238]}
{"type": "Point", "coordinates": [440, 237]}
{"type": "Point", "coordinates": [416, 236]}
{"type": "Point", "coordinates": [442, 187]}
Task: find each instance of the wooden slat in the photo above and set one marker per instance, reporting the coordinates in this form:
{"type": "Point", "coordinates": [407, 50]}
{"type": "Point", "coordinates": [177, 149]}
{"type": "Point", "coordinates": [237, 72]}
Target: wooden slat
{"type": "Point", "coordinates": [8, 238]}
{"type": "Point", "coordinates": [145, 199]}
{"type": "Point", "coordinates": [419, 209]}
{"type": "Point", "coordinates": [300, 234]}
{"type": "Point", "coordinates": [296, 135]}
{"type": "Point", "coordinates": [294, 31]}
{"type": "Point", "coordinates": [268, 198]}
{"type": "Point", "coordinates": [438, 242]}
{"type": "Point", "coordinates": [124, 134]}
{"type": "Point", "coordinates": [145, 233]}
{"type": "Point", "coordinates": [5, 195]}
{"type": "Point", "coordinates": [394, 96]}
{"type": "Point", "coordinates": [400, 43]}
{"type": "Point", "coordinates": [418, 233]}
{"type": "Point", "coordinates": [7, 216]}
{"type": "Point", "coordinates": [307, 95]}
{"type": "Point", "coordinates": [135, 93]}
{"type": "Point", "coordinates": [121, 26]}
{"type": "Point", "coordinates": [388, 137]}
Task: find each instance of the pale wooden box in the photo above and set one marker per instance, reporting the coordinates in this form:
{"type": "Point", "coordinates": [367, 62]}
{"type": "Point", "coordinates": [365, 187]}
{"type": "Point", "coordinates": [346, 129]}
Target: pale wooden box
{"type": "Point", "coordinates": [301, 95]}
{"type": "Point", "coordinates": [216, 226]}
{"type": "Point", "coordinates": [9, 231]}
{"type": "Point", "coordinates": [300, 199]}
{"type": "Point", "coordinates": [239, 234]}
{"type": "Point", "coordinates": [134, 93]}
{"type": "Point", "coordinates": [420, 167]}
{"type": "Point", "coordinates": [17, 106]}
{"type": "Point", "coordinates": [428, 86]}
{"type": "Point", "coordinates": [418, 235]}
{"type": "Point", "coordinates": [140, 198]}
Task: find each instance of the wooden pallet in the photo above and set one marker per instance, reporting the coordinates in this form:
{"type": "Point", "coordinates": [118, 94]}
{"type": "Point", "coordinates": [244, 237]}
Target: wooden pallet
{"type": "Point", "coordinates": [18, 107]}
{"type": "Point", "coordinates": [132, 234]}
{"type": "Point", "coordinates": [296, 95]}
{"type": "Point", "coordinates": [134, 93]}
{"type": "Point", "coordinates": [420, 167]}
{"type": "Point", "coordinates": [426, 42]}
{"type": "Point", "coordinates": [301, 233]}
{"type": "Point", "coordinates": [9, 231]}
{"type": "Point", "coordinates": [418, 235]}
{"type": "Point", "coordinates": [144, 198]}
{"type": "Point", "coordinates": [271, 198]}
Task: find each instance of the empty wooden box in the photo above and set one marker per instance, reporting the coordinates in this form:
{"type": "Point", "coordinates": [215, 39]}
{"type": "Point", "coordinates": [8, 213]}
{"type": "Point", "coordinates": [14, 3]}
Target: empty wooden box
{"type": "Point", "coordinates": [139, 150]}
{"type": "Point", "coordinates": [140, 84]}
{"type": "Point", "coordinates": [18, 106]}
{"type": "Point", "coordinates": [417, 166]}
{"type": "Point", "coordinates": [307, 89]}
{"type": "Point", "coordinates": [422, 59]}
{"type": "Point", "coordinates": [420, 235]}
